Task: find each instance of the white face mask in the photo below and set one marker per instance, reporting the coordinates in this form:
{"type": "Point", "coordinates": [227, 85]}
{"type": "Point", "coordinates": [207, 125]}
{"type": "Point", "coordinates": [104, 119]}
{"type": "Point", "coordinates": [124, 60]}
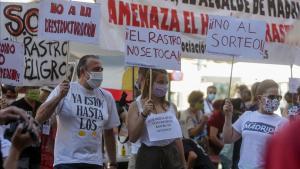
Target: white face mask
{"type": "Point", "coordinates": [95, 79]}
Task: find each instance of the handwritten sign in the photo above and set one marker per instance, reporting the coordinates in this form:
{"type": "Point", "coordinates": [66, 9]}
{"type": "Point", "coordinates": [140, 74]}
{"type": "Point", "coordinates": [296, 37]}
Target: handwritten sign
{"type": "Point", "coordinates": [153, 48]}
{"type": "Point", "coordinates": [11, 63]}
{"type": "Point", "coordinates": [294, 84]}
{"type": "Point", "coordinates": [236, 37]}
{"type": "Point", "coordinates": [45, 61]}
{"type": "Point", "coordinates": [69, 20]}
{"type": "Point", "coordinates": [163, 126]}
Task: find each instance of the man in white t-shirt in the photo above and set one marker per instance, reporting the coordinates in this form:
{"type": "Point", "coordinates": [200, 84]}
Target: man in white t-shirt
{"type": "Point", "coordinates": [210, 96]}
{"type": "Point", "coordinates": [85, 112]}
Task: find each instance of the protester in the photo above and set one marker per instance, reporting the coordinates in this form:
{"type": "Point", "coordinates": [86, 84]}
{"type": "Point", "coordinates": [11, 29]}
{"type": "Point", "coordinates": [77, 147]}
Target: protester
{"type": "Point", "coordinates": [47, 134]}
{"type": "Point", "coordinates": [20, 139]}
{"type": "Point", "coordinates": [166, 153]}
{"type": "Point", "coordinates": [255, 127]}
{"type": "Point", "coordinates": [138, 85]}
{"type": "Point", "coordinates": [84, 111]}
{"type": "Point", "coordinates": [292, 107]}
{"type": "Point", "coordinates": [283, 149]}
{"type": "Point", "coordinates": [227, 154]}
{"type": "Point", "coordinates": [211, 95]}
{"type": "Point", "coordinates": [10, 95]}
{"type": "Point", "coordinates": [31, 156]}
{"type": "Point", "coordinates": [196, 156]}
{"type": "Point", "coordinates": [215, 128]}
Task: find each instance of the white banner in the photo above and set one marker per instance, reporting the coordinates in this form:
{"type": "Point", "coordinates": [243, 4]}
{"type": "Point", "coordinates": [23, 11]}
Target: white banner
{"type": "Point", "coordinates": [153, 48]}
{"type": "Point", "coordinates": [191, 18]}
{"type": "Point", "coordinates": [236, 37]}
{"type": "Point", "coordinates": [294, 84]}
{"type": "Point", "coordinates": [69, 20]}
{"type": "Point", "coordinates": [11, 63]}
{"type": "Point", "coordinates": [45, 61]}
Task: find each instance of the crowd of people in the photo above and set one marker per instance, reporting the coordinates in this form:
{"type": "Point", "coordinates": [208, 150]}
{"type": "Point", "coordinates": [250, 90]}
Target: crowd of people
{"type": "Point", "coordinates": [72, 126]}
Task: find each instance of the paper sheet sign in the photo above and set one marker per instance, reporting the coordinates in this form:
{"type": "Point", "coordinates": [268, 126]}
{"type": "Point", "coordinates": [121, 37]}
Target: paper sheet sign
{"type": "Point", "coordinates": [236, 37]}
{"type": "Point", "coordinates": [163, 126]}
{"type": "Point", "coordinates": [153, 48]}
{"type": "Point", "coordinates": [294, 84]}
{"type": "Point", "coordinates": [11, 63]}
{"type": "Point", "coordinates": [73, 21]}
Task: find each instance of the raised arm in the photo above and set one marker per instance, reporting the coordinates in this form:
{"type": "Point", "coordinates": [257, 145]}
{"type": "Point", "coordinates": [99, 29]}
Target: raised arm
{"type": "Point", "coordinates": [229, 134]}
{"type": "Point", "coordinates": [48, 108]}
{"type": "Point", "coordinates": [136, 121]}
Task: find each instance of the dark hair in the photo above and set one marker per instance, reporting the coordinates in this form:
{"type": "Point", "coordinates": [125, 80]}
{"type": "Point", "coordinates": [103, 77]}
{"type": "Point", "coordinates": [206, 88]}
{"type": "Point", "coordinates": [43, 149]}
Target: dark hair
{"type": "Point", "coordinates": [142, 71]}
{"type": "Point", "coordinates": [238, 104]}
{"type": "Point", "coordinates": [6, 88]}
{"type": "Point", "coordinates": [254, 91]}
{"type": "Point", "coordinates": [211, 87]}
{"type": "Point", "coordinates": [83, 61]}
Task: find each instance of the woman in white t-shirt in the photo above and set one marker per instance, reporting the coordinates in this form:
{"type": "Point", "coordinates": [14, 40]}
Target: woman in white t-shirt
{"type": "Point", "coordinates": [153, 121]}
{"type": "Point", "coordinates": [255, 127]}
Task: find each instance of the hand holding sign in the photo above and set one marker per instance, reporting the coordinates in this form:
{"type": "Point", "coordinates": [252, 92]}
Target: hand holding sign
{"type": "Point", "coordinates": [64, 89]}
{"type": "Point", "coordinates": [228, 108]}
{"type": "Point", "coordinates": [148, 107]}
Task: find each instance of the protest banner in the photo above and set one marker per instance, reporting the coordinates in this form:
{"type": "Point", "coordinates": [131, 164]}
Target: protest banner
{"type": "Point", "coordinates": [190, 19]}
{"type": "Point", "coordinates": [11, 63]}
{"type": "Point", "coordinates": [153, 48]}
{"type": "Point", "coordinates": [235, 37]}
{"type": "Point", "coordinates": [294, 84]}
{"type": "Point", "coordinates": [69, 20]}
{"type": "Point", "coordinates": [163, 126]}
{"type": "Point", "coordinates": [45, 61]}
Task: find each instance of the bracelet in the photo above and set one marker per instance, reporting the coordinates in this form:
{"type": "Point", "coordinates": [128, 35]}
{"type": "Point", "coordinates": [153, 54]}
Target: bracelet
{"type": "Point", "coordinates": [144, 116]}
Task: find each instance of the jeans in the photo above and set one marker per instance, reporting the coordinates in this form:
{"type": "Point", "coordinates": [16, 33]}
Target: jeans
{"type": "Point", "coordinates": [77, 166]}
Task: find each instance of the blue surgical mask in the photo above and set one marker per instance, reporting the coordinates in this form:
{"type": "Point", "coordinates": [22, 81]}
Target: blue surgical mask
{"type": "Point", "coordinates": [211, 97]}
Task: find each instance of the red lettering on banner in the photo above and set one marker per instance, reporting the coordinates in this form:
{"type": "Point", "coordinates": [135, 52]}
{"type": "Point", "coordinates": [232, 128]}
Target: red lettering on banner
{"type": "Point", "coordinates": [164, 25]}
{"type": "Point", "coordinates": [154, 18]}
{"type": "Point", "coordinates": [143, 12]}
{"type": "Point", "coordinates": [72, 10]}
{"type": "Point", "coordinates": [134, 8]}
{"type": "Point", "coordinates": [194, 29]}
{"type": "Point", "coordinates": [186, 16]}
{"type": "Point", "coordinates": [124, 11]}
{"type": "Point", "coordinates": [112, 12]}
{"type": "Point", "coordinates": [174, 21]}
{"type": "Point", "coordinates": [204, 24]}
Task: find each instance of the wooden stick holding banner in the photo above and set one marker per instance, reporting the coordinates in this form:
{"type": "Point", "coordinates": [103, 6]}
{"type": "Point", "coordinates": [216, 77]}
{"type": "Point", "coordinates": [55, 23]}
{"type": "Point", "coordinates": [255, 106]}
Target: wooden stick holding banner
{"type": "Point", "coordinates": [230, 79]}
{"type": "Point", "coordinates": [67, 62]}
{"type": "Point", "coordinates": [150, 83]}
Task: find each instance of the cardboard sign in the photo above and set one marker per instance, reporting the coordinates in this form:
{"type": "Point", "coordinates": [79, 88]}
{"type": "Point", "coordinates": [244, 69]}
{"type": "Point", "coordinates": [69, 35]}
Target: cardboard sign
{"type": "Point", "coordinates": [69, 20]}
{"type": "Point", "coordinates": [11, 63]}
{"type": "Point", "coordinates": [163, 126]}
{"type": "Point", "coordinates": [294, 84]}
{"type": "Point", "coordinates": [45, 61]}
{"type": "Point", "coordinates": [153, 48]}
{"type": "Point", "coordinates": [236, 37]}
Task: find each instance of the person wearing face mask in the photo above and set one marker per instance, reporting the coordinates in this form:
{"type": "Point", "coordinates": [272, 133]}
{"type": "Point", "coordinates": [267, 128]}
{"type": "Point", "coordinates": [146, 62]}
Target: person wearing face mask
{"type": "Point", "coordinates": [85, 113]}
{"type": "Point", "coordinates": [31, 156]}
{"type": "Point", "coordinates": [211, 95]}
{"type": "Point", "coordinates": [255, 127]}
{"type": "Point", "coordinates": [153, 120]}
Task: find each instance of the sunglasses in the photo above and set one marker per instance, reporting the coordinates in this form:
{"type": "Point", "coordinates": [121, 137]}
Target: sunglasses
{"type": "Point", "coordinates": [272, 97]}
{"type": "Point", "coordinates": [212, 93]}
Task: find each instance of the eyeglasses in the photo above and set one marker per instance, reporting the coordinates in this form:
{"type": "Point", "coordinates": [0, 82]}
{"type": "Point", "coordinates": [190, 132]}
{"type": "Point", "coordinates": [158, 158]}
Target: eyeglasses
{"type": "Point", "coordinates": [272, 97]}
{"type": "Point", "coordinates": [212, 93]}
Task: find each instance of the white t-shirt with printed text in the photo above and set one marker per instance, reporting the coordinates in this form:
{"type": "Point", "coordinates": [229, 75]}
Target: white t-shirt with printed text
{"type": "Point", "coordinates": [255, 129]}
{"type": "Point", "coordinates": [81, 118]}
